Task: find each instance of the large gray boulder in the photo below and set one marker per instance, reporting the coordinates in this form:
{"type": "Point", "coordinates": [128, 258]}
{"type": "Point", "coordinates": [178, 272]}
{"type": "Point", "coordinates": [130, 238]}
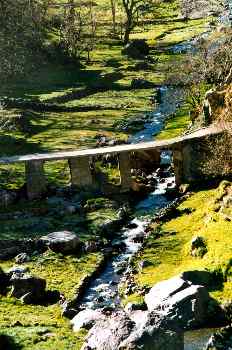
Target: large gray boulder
{"type": "Point", "coordinates": [152, 338]}
{"type": "Point", "coordinates": [64, 242]}
{"type": "Point", "coordinates": [109, 333]}
{"type": "Point", "coordinates": [30, 289]}
{"type": "Point", "coordinates": [120, 332]}
{"type": "Point", "coordinates": [163, 290]}
{"type": "Point", "coordinates": [180, 302]}
{"type": "Point", "coordinates": [86, 319]}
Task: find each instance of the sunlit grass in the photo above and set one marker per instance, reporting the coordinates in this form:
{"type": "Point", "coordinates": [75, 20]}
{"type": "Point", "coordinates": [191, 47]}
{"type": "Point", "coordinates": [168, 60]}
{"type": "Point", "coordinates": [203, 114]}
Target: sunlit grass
{"type": "Point", "coordinates": [170, 254]}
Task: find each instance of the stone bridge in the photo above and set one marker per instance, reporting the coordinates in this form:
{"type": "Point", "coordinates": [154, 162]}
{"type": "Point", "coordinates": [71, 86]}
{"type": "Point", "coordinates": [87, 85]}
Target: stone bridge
{"type": "Point", "coordinates": [186, 151]}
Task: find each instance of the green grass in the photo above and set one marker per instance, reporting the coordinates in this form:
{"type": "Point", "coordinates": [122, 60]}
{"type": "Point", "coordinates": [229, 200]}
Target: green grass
{"type": "Point", "coordinates": [170, 254]}
{"type": "Point", "coordinates": [37, 218]}
{"type": "Point", "coordinates": [43, 327]}
{"type": "Point", "coordinates": [109, 70]}
{"type": "Point", "coordinates": [103, 89]}
{"type": "Point", "coordinates": [176, 124]}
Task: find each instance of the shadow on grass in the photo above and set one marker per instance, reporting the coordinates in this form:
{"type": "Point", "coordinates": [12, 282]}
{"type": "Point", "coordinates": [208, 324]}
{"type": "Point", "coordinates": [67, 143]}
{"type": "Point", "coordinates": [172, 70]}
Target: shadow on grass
{"type": "Point", "coordinates": [12, 145]}
{"type": "Point", "coordinates": [7, 343]}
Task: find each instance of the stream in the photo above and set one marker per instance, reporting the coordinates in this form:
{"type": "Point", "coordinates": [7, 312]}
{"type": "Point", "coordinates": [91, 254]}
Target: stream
{"type": "Point", "coordinates": [103, 291]}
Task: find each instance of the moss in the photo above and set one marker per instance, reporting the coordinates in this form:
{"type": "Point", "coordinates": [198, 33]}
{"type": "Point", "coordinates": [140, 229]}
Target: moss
{"type": "Point", "coordinates": [43, 327]}
{"type": "Point", "coordinates": [45, 337]}
{"type": "Point", "coordinates": [37, 218]}
{"type": "Point", "coordinates": [175, 124]}
{"type": "Point", "coordinates": [170, 254]}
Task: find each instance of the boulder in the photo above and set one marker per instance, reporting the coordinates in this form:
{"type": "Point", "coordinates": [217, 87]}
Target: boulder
{"type": "Point", "coordinates": [139, 83]}
{"type": "Point", "coordinates": [123, 213]}
{"type": "Point", "coordinates": [109, 227]}
{"type": "Point", "coordinates": [190, 307]}
{"type": "Point", "coordinates": [120, 332]}
{"type": "Point", "coordinates": [221, 340]}
{"type": "Point", "coordinates": [197, 242]}
{"type": "Point", "coordinates": [86, 319]}
{"type": "Point", "coordinates": [179, 302]}
{"type": "Point", "coordinates": [163, 290]}
{"type": "Point", "coordinates": [136, 49]}
{"type": "Point", "coordinates": [30, 288]}
{"type": "Point", "coordinates": [22, 258]}
{"type": "Point", "coordinates": [10, 248]}
{"type": "Point", "coordinates": [152, 338]}
{"type": "Point", "coordinates": [92, 246]}
{"type": "Point", "coordinates": [109, 333]}
{"type": "Point", "coordinates": [138, 237]}
{"type": "Point", "coordinates": [64, 242]}
{"type": "Point", "coordinates": [198, 247]}
{"type": "Point", "coordinates": [68, 310]}
{"type": "Point", "coordinates": [213, 105]}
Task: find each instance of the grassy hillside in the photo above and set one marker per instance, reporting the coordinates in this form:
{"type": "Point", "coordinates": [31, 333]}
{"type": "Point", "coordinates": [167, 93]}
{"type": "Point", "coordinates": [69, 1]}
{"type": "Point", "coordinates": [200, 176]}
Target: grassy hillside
{"type": "Point", "coordinates": [98, 96]}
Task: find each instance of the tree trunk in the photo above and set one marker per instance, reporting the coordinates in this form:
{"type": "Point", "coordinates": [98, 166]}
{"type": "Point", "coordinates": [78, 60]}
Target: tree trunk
{"type": "Point", "coordinates": [128, 28]}
{"type": "Point", "coordinates": [113, 10]}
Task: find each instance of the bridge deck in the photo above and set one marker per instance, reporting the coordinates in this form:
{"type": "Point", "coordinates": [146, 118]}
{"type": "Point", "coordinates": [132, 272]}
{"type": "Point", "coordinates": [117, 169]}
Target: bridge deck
{"type": "Point", "coordinates": [165, 144]}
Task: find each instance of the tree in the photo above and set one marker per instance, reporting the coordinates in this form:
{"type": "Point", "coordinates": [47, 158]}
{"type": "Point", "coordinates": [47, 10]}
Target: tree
{"type": "Point", "coordinates": [113, 11]}
{"type": "Point", "coordinates": [132, 9]}
{"type": "Point", "coordinates": [78, 29]}
{"type": "Point", "coordinates": [20, 35]}
{"type": "Point", "coordinates": [210, 69]}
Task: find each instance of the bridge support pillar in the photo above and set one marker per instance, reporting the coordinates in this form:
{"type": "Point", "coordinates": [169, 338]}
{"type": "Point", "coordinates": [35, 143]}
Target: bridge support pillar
{"type": "Point", "coordinates": [81, 175]}
{"type": "Point", "coordinates": [147, 159]}
{"type": "Point", "coordinates": [125, 171]}
{"type": "Point", "coordinates": [35, 179]}
{"type": "Point", "coordinates": [178, 163]}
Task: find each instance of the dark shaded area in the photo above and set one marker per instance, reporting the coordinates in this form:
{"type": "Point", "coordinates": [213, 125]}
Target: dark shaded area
{"type": "Point", "coordinates": [11, 145]}
{"type": "Point", "coordinates": [7, 343]}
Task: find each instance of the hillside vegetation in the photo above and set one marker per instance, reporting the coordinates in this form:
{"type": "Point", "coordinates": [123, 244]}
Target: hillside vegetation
{"type": "Point", "coordinates": [98, 96]}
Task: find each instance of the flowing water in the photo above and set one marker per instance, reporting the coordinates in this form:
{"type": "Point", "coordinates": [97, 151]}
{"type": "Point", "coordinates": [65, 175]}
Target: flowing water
{"type": "Point", "coordinates": [103, 291]}
{"type": "Point", "coordinates": [170, 99]}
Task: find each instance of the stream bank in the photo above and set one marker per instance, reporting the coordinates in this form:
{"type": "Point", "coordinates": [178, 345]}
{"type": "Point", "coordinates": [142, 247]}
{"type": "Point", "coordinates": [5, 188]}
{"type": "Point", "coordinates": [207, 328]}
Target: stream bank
{"type": "Point", "coordinates": [103, 292]}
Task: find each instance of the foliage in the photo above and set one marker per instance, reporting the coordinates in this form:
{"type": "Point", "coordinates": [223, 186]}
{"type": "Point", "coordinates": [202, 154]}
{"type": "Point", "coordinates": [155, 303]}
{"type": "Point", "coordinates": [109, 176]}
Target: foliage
{"type": "Point", "coordinates": [20, 35]}
{"type": "Point", "coordinates": [133, 10]}
{"type": "Point", "coordinates": [201, 7]}
{"type": "Point", "coordinates": [78, 28]}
